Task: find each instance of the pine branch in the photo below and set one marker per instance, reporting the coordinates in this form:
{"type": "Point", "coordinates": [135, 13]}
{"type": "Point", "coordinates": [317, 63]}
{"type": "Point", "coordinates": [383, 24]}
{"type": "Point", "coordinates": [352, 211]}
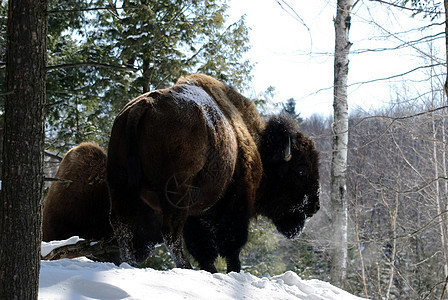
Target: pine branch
{"type": "Point", "coordinates": [91, 64]}
{"type": "Point", "coordinates": [53, 155]}
{"type": "Point", "coordinates": [54, 179]}
{"type": "Point", "coordinates": [67, 11]}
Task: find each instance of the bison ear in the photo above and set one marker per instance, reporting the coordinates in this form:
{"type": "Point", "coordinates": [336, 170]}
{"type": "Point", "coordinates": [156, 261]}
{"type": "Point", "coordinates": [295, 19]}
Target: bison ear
{"type": "Point", "coordinates": [276, 140]}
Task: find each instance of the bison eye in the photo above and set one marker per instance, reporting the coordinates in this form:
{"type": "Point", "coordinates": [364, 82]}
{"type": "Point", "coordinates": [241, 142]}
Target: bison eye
{"type": "Point", "coordinates": [302, 171]}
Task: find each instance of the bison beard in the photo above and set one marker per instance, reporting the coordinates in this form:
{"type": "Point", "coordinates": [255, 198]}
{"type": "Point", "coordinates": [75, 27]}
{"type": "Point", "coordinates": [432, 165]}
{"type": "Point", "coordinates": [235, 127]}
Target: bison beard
{"type": "Point", "coordinates": [196, 161]}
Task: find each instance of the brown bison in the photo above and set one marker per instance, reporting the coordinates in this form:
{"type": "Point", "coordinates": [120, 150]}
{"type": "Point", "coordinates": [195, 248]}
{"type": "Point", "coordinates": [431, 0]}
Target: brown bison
{"type": "Point", "coordinates": [200, 155]}
{"type": "Point", "coordinates": [81, 205]}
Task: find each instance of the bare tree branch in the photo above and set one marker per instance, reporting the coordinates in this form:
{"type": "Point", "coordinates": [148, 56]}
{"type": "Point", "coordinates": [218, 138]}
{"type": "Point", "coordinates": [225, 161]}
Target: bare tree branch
{"type": "Point", "coordinates": [414, 10]}
{"type": "Point", "coordinates": [393, 120]}
{"type": "Point", "coordinates": [291, 11]}
{"type": "Point", "coordinates": [397, 75]}
{"type": "Point", "coordinates": [373, 80]}
{"type": "Point", "coordinates": [425, 39]}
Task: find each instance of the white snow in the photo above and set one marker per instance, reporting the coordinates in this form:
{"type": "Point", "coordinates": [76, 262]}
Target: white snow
{"type": "Point", "coordinates": [48, 247]}
{"type": "Point", "coordinates": [81, 278]}
{"type": "Point", "coordinates": [137, 36]}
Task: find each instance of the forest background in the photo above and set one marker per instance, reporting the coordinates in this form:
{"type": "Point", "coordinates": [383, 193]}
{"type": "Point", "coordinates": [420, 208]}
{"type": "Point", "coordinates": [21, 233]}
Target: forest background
{"type": "Point", "coordinates": [101, 54]}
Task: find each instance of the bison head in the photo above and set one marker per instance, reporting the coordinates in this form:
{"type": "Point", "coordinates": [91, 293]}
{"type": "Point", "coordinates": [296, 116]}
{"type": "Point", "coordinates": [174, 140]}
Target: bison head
{"type": "Point", "coordinates": [289, 191]}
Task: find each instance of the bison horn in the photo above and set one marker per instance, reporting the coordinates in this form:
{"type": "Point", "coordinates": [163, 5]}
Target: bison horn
{"type": "Point", "coordinates": [287, 152]}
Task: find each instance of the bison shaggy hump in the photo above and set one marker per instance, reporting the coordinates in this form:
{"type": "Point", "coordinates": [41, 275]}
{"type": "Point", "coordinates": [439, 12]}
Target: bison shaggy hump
{"type": "Point", "coordinates": [81, 205]}
{"type": "Point", "coordinates": [201, 159]}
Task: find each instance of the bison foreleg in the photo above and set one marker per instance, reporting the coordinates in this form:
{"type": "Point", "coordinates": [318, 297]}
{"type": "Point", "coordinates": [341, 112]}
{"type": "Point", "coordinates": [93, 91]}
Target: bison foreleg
{"type": "Point", "coordinates": [201, 242]}
{"type": "Point", "coordinates": [232, 235]}
{"type": "Point", "coordinates": [233, 262]}
{"type": "Point", "coordinates": [124, 236]}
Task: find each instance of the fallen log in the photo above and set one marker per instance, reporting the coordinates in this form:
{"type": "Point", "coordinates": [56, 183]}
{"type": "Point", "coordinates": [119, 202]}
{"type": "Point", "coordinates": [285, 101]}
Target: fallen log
{"type": "Point", "coordinates": [103, 251]}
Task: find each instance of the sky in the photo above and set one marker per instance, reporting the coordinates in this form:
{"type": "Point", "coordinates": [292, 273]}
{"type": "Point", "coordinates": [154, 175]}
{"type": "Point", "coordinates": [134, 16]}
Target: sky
{"type": "Point", "coordinates": [297, 59]}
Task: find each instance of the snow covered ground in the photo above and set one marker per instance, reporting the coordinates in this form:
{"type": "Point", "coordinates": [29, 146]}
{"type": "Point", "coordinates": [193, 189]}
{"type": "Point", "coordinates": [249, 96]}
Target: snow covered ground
{"type": "Point", "coordinates": [84, 279]}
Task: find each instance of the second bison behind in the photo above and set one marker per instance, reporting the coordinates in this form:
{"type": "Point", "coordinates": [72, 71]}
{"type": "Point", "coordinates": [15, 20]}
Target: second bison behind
{"type": "Point", "coordinates": [199, 155]}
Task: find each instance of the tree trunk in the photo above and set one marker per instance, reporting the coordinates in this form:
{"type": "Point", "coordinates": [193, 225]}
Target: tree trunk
{"type": "Point", "coordinates": [439, 203]}
{"type": "Point", "coordinates": [392, 251]}
{"type": "Point", "coordinates": [21, 195]}
{"type": "Point", "coordinates": [445, 2]}
{"type": "Point", "coordinates": [445, 229]}
{"type": "Point", "coordinates": [340, 142]}
{"type": "Point", "coordinates": [359, 249]}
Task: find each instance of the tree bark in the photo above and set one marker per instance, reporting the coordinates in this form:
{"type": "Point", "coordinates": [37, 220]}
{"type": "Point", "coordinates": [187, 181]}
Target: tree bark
{"type": "Point", "coordinates": [21, 194]}
{"type": "Point", "coordinates": [340, 141]}
{"type": "Point", "coordinates": [445, 3]}
{"type": "Point", "coordinates": [359, 249]}
{"type": "Point", "coordinates": [439, 203]}
{"type": "Point", "coordinates": [445, 228]}
{"type": "Point", "coordinates": [392, 252]}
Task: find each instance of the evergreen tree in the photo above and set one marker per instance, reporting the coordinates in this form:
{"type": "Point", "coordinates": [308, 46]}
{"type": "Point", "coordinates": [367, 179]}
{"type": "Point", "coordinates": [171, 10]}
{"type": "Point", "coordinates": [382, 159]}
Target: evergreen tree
{"type": "Point", "coordinates": [260, 255]}
{"type": "Point", "coordinates": [101, 54]}
{"type": "Point", "coordinates": [290, 108]}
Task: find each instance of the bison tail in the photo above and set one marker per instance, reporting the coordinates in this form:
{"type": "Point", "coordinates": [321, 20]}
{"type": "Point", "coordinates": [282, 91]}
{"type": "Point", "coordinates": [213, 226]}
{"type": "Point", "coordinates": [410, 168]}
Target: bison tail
{"type": "Point", "coordinates": [134, 167]}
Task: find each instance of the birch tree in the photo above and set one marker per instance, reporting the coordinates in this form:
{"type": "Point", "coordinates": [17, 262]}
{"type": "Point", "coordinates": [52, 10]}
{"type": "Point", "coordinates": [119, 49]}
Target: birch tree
{"type": "Point", "coordinates": [340, 141]}
{"type": "Point", "coordinates": [445, 5]}
{"type": "Point", "coordinates": [21, 194]}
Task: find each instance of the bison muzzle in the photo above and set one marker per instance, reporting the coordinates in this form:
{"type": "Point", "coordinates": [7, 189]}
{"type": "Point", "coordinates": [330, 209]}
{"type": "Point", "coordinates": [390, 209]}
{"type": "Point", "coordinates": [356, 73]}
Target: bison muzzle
{"type": "Point", "coordinates": [198, 158]}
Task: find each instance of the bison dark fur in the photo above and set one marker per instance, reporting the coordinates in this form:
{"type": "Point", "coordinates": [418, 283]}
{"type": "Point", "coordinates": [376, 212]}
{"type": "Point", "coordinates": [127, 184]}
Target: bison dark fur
{"type": "Point", "coordinates": [81, 206]}
{"type": "Point", "coordinates": [199, 154]}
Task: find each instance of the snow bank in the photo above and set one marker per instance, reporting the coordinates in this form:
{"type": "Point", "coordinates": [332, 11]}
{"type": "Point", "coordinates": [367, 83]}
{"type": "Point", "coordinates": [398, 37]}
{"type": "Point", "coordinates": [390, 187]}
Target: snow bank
{"type": "Point", "coordinates": [84, 279]}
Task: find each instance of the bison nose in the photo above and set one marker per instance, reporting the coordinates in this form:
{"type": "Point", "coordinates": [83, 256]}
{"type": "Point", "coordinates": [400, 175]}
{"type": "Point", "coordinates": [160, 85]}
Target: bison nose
{"type": "Point", "coordinates": [313, 208]}
{"type": "Point", "coordinates": [317, 207]}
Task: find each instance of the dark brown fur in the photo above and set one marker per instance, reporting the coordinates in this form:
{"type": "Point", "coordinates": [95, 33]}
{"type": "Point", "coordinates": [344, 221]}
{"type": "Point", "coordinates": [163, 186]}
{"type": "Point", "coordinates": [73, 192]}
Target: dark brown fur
{"type": "Point", "coordinates": [165, 151]}
{"type": "Point", "coordinates": [80, 207]}
{"type": "Point", "coordinates": [206, 162]}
